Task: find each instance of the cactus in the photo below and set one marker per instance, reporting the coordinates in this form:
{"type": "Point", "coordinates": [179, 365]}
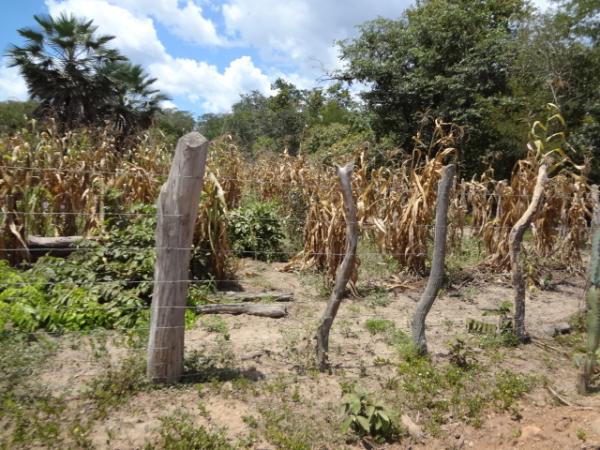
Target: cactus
{"type": "Point", "coordinates": [593, 311]}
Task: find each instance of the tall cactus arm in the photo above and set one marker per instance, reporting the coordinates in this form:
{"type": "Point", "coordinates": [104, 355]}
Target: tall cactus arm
{"type": "Point", "coordinates": [593, 310]}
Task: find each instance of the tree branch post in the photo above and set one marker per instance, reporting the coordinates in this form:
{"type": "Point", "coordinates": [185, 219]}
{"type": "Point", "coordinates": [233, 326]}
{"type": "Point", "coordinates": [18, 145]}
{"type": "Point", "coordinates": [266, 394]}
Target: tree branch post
{"type": "Point", "coordinates": [177, 208]}
{"type": "Point", "coordinates": [515, 240]}
{"type": "Point", "coordinates": [436, 276]}
{"type": "Point", "coordinates": [344, 271]}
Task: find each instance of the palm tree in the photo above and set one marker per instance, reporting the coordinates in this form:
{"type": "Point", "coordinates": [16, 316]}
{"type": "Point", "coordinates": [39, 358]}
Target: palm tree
{"type": "Point", "coordinates": [60, 63]}
{"type": "Point", "coordinates": [134, 102]}
{"type": "Point", "coordinates": [79, 80]}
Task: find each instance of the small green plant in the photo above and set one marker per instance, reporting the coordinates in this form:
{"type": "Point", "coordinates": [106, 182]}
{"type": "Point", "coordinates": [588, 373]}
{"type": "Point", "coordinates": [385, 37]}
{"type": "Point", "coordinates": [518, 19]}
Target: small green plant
{"type": "Point", "coordinates": [376, 325]}
{"type": "Point", "coordinates": [178, 432]}
{"type": "Point", "coordinates": [366, 417]}
{"type": "Point", "coordinates": [117, 383]}
{"type": "Point", "coordinates": [581, 434]}
{"type": "Point", "coordinates": [460, 355]}
{"type": "Point", "coordinates": [509, 387]}
{"type": "Point", "coordinates": [256, 230]}
{"type": "Point", "coordinates": [285, 429]}
{"type": "Point", "coordinates": [215, 324]}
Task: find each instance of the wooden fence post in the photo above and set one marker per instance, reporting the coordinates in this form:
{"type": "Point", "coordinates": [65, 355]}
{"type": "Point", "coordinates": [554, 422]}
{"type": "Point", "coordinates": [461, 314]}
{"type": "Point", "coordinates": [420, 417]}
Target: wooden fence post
{"type": "Point", "coordinates": [515, 239]}
{"type": "Point", "coordinates": [436, 276]}
{"type": "Point", "coordinates": [593, 302]}
{"type": "Point", "coordinates": [177, 209]}
{"type": "Point", "coordinates": [344, 271]}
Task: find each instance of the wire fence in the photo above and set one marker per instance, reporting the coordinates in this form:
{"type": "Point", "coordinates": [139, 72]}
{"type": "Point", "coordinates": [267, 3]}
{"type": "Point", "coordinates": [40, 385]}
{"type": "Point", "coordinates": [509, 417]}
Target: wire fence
{"type": "Point", "coordinates": [304, 325]}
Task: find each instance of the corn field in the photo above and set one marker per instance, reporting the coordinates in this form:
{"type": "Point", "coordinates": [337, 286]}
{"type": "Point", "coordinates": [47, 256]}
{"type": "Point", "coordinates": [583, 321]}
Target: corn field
{"type": "Point", "coordinates": [61, 185]}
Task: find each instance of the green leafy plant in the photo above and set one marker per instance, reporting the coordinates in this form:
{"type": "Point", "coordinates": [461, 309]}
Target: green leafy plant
{"type": "Point", "coordinates": [256, 230]}
{"type": "Point", "coordinates": [178, 432]}
{"type": "Point", "coordinates": [376, 325]}
{"type": "Point", "coordinates": [367, 417]}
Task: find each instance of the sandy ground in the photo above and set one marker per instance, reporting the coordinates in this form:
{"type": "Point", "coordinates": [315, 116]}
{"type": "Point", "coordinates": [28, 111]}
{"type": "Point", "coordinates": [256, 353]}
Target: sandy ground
{"type": "Point", "coordinates": [274, 355]}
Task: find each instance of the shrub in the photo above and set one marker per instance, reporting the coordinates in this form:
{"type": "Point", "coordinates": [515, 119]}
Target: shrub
{"type": "Point", "coordinates": [106, 283]}
{"type": "Point", "coordinates": [365, 417]}
{"type": "Point", "coordinates": [178, 432]}
{"type": "Point", "coordinates": [376, 325]}
{"type": "Point", "coordinates": [256, 229]}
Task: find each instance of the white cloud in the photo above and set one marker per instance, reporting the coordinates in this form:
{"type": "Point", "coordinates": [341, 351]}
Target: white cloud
{"type": "Point", "coordinates": [12, 86]}
{"type": "Point", "coordinates": [295, 39]}
{"type": "Point", "coordinates": [200, 81]}
{"type": "Point", "coordinates": [302, 32]}
{"type": "Point", "coordinates": [168, 104]}
{"type": "Point", "coordinates": [134, 35]}
{"type": "Point", "coordinates": [186, 22]}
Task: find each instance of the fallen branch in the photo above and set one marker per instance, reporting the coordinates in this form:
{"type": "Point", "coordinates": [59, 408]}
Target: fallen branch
{"type": "Point", "coordinates": [559, 398]}
{"type": "Point", "coordinates": [260, 296]}
{"type": "Point", "coordinates": [272, 311]}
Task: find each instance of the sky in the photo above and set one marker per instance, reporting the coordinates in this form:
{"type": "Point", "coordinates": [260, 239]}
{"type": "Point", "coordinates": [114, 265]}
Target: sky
{"type": "Point", "coordinates": [205, 53]}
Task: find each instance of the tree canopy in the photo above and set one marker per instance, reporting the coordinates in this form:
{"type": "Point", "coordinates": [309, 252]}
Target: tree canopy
{"type": "Point", "coordinates": [79, 80]}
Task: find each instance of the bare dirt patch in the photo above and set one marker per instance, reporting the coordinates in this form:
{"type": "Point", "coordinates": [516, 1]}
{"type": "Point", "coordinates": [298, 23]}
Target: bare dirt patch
{"type": "Point", "coordinates": [253, 378]}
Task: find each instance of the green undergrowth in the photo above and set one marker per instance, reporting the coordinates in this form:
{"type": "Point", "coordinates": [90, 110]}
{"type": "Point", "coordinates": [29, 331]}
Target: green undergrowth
{"type": "Point", "coordinates": [179, 432]}
{"type": "Point", "coordinates": [105, 284]}
{"type": "Point", "coordinates": [461, 389]}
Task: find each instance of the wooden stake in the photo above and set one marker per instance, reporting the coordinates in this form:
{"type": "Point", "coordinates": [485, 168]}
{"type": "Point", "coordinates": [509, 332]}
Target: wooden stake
{"type": "Point", "coordinates": [515, 239]}
{"type": "Point", "coordinates": [178, 204]}
{"type": "Point", "coordinates": [436, 277]}
{"type": "Point", "coordinates": [344, 271]}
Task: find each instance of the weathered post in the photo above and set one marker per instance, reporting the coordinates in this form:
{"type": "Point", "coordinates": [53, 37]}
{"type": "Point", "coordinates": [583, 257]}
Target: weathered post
{"type": "Point", "coordinates": [436, 277]}
{"type": "Point", "coordinates": [593, 303]}
{"type": "Point", "coordinates": [515, 240]}
{"type": "Point", "coordinates": [177, 209]}
{"type": "Point", "coordinates": [344, 271]}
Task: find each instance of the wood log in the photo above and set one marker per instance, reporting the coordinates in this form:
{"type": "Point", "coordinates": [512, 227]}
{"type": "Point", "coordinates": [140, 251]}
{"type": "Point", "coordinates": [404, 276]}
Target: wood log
{"type": "Point", "coordinates": [515, 239]}
{"type": "Point", "coordinates": [260, 296]}
{"type": "Point", "coordinates": [271, 311]}
{"type": "Point", "coordinates": [436, 277]}
{"type": "Point", "coordinates": [177, 210]}
{"type": "Point", "coordinates": [60, 246]}
{"type": "Point", "coordinates": [344, 271]}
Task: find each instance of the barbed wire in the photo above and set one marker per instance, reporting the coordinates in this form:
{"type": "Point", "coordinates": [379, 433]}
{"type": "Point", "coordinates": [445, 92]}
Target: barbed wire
{"type": "Point", "coordinates": [192, 282]}
{"type": "Point", "coordinates": [369, 222]}
{"type": "Point", "coordinates": [222, 179]}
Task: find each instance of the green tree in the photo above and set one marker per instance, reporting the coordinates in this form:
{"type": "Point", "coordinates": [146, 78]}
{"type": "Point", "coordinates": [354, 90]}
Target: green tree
{"type": "Point", "coordinates": [14, 115]}
{"type": "Point", "coordinates": [212, 125]}
{"type": "Point", "coordinates": [78, 79]}
{"type": "Point", "coordinates": [451, 59]}
{"type": "Point", "coordinates": [560, 63]}
{"type": "Point", "coordinates": [133, 102]}
{"type": "Point", "coordinates": [175, 123]}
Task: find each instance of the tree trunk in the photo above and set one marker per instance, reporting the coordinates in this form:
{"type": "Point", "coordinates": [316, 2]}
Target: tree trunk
{"type": "Point", "coordinates": [515, 239]}
{"type": "Point", "coordinates": [344, 271]}
{"type": "Point", "coordinates": [178, 204]}
{"type": "Point", "coordinates": [436, 276]}
{"type": "Point", "coordinates": [272, 311]}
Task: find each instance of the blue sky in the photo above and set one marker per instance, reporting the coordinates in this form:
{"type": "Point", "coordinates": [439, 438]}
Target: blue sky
{"type": "Point", "coordinates": [205, 53]}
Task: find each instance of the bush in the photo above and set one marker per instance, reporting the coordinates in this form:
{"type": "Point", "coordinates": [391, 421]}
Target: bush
{"type": "Point", "coordinates": [178, 432]}
{"type": "Point", "coordinates": [368, 418]}
{"type": "Point", "coordinates": [256, 230]}
{"type": "Point", "coordinates": [107, 283]}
